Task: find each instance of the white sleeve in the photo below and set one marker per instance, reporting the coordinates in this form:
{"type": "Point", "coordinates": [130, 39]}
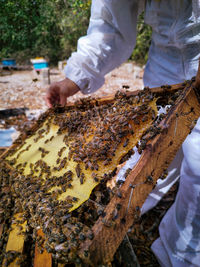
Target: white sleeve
{"type": "Point", "coordinates": [109, 42]}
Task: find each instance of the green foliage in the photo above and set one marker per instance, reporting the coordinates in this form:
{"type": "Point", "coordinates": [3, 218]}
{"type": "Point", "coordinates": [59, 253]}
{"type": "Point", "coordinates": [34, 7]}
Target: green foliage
{"type": "Point", "coordinates": [51, 28]}
{"type": "Point", "coordinates": [144, 31]}
{"type": "Point", "coordinates": [28, 28]}
{"type": "Point", "coordinates": [48, 28]}
{"type": "Point", "coordinates": [73, 24]}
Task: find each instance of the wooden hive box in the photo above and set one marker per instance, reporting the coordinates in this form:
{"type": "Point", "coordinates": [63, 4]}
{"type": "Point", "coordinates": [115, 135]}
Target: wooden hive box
{"type": "Point", "coordinates": [124, 206]}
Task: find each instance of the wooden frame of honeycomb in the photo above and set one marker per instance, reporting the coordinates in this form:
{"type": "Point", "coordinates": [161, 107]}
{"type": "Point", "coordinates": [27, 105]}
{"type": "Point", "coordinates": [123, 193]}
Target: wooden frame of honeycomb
{"type": "Point", "coordinates": [100, 242]}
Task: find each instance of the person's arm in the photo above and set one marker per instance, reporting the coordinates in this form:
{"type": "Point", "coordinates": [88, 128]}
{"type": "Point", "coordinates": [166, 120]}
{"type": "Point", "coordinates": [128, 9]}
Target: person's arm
{"type": "Point", "coordinates": [109, 42]}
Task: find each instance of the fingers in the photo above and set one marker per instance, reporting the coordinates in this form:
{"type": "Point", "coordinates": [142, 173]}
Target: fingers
{"type": "Point", "coordinates": [63, 99]}
{"type": "Point", "coordinates": [48, 102]}
{"type": "Point", "coordinates": [48, 99]}
{"type": "Point", "coordinates": [58, 92]}
{"type": "Point", "coordinates": [53, 95]}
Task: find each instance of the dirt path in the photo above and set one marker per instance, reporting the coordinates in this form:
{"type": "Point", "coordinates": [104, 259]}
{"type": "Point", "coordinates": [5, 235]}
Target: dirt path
{"type": "Point", "coordinates": [26, 88]}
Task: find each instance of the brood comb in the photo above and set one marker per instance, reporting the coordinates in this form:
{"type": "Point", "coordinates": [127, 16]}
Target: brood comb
{"type": "Point", "coordinates": [63, 168]}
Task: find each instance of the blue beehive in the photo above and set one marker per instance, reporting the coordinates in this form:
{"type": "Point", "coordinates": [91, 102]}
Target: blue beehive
{"type": "Point", "coordinates": [39, 63]}
{"type": "Point", "coordinates": [8, 62]}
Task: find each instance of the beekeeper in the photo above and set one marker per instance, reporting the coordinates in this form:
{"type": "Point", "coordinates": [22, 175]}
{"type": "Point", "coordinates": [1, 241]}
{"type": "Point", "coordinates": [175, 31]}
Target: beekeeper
{"type": "Point", "coordinates": [173, 58]}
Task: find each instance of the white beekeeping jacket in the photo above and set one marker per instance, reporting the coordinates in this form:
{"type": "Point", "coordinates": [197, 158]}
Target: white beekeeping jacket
{"type": "Point", "coordinates": [175, 46]}
{"type": "Point", "coordinates": [111, 38]}
{"type": "Point", "coordinates": [109, 42]}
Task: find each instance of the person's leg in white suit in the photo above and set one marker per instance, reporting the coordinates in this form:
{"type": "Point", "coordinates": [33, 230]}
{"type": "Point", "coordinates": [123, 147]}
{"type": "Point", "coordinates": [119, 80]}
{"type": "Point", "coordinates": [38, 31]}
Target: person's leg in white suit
{"type": "Point", "coordinates": [179, 242]}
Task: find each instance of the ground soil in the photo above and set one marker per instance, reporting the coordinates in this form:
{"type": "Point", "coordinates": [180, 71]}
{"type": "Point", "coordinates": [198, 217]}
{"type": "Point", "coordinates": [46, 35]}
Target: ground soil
{"type": "Point", "coordinates": [28, 89]}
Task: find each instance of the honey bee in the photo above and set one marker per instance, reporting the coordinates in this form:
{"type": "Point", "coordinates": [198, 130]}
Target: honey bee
{"type": "Point", "coordinates": [149, 179]}
{"type": "Point", "coordinates": [126, 142]}
{"type": "Point", "coordinates": [78, 170]}
{"type": "Point", "coordinates": [82, 178]}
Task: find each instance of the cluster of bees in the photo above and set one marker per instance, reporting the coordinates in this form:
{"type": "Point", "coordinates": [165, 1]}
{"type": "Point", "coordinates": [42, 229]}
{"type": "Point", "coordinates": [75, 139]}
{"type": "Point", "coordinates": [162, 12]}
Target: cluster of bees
{"type": "Point", "coordinates": [9, 205]}
{"type": "Point", "coordinates": [6, 206]}
{"type": "Point", "coordinates": [61, 166]}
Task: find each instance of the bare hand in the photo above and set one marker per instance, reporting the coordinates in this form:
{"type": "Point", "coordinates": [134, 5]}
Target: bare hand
{"type": "Point", "coordinates": [58, 92]}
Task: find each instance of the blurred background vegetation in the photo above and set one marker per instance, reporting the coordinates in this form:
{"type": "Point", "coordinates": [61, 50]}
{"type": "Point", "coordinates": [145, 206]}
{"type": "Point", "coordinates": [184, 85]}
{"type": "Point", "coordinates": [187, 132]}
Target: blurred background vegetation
{"type": "Point", "coordinates": [51, 28]}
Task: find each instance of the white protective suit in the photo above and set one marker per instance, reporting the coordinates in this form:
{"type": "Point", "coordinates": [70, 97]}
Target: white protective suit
{"type": "Point", "coordinates": [173, 57]}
